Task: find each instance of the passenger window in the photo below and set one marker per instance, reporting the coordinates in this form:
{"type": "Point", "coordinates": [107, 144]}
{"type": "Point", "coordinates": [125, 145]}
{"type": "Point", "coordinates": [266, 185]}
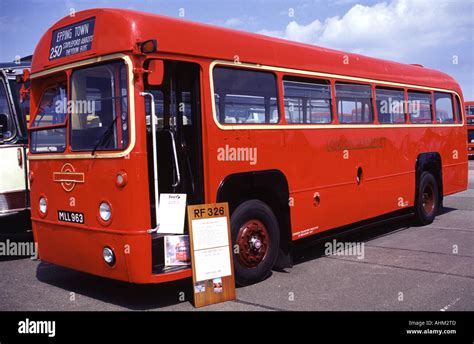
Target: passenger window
{"type": "Point", "coordinates": [245, 96]}
{"type": "Point", "coordinates": [458, 110]}
{"type": "Point", "coordinates": [469, 109]}
{"type": "Point", "coordinates": [354, 103]}
{"type": "Point", "coordinates": [7, 126]}
{"type": "Point", "coordinates": [444, 108]}
{"type": "Point", "coordinates": [419, 107]}
{"type": "Point", "coordinates": [307, 101]}
{"type": "Point", "coordinates": [390, 105]}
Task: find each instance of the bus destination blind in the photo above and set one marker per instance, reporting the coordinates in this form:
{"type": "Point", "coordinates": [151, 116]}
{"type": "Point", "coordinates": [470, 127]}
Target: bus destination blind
{"type": "Point", "coordinates": [72, 39]}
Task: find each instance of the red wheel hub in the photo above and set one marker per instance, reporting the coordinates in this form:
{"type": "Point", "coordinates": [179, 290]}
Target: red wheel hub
{"type": "Point", "coordinates": [253, 241]}
{"type": "Point", "coordinates": [428, 198]}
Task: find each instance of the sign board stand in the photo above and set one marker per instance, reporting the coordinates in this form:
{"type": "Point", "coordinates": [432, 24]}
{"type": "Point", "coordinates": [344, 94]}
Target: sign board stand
{"type": "Point", "coordinates": [211, 254]}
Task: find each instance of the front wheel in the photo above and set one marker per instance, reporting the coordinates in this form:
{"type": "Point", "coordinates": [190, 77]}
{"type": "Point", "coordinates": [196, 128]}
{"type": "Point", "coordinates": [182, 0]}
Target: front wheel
{"type": "Point", "coordinates": [256, 239]}
{"type": "Point", "coordinates": [428, 201]}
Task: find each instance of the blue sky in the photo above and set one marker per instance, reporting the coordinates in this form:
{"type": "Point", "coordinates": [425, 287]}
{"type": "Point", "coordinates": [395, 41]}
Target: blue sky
{"type": "Point", "coordinates": [435, 33]}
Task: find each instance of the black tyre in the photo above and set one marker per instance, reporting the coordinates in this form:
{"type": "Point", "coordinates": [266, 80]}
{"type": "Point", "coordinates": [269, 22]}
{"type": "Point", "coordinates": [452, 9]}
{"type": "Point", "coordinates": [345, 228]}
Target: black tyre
{"type": "Point", "coordinates": [256, 240]}
{"type": "Point", "coordinates": [427, 201]}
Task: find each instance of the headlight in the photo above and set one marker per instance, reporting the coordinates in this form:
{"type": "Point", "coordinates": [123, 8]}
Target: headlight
{"type": "Point", "coordinates": [108, 255]}
{"type": "Point", "coordinates": [43, 206]}
{"type": "Point", "coordinates": [105, 212]}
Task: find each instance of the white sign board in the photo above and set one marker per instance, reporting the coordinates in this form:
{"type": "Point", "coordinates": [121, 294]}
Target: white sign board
{"type": "Point", "coordinates": [211, 248]}
{"type": "Point", "coordinates": [212, 263]}
{"type": "Point", "coordinates": [210, 232]}
{"type": "Point", "coordinates": [171, 213]}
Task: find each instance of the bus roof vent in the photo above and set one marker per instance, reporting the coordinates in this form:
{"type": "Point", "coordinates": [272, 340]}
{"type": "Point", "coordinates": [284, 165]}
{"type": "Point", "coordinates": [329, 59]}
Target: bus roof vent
{"type": "Point", "coordinates": [417, 65]}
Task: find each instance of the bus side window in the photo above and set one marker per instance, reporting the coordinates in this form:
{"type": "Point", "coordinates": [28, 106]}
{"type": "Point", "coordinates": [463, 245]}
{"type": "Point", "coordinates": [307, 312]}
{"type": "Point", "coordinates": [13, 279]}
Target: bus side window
{"type": "Point", "coordinates": [469, 111]}
{"type": "Point", "coordinates": [458, 109]}
{"type": "Point", "coordinates": [390, 105]}
{"type": "Point", "coordinates": [354, 103]}
{"type": "Point", "coordinates": [307, 101]}
{"type": "Point", "coordinates": [444, 108]}
{"type": "Point", "coordinates": [245, 96]}
{"type": "Point", "coordinates": [419, 105]}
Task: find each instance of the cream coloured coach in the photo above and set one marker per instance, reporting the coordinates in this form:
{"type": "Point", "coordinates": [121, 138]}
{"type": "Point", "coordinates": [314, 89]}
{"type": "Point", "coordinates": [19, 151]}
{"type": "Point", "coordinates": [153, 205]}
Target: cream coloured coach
{"type": "Point", "coordinates": [13, 141]}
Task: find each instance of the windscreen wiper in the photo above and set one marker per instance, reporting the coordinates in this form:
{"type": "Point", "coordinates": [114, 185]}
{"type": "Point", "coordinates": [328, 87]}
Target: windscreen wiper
{"type": "Point", "coordinates": [105, 135]}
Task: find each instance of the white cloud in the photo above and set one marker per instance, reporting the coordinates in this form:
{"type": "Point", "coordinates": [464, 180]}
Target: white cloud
{"type": "Point", "coordinates": [342, 2]}
{"type": "Point", "coordinates": [233, 22]}
{"type": "Point", "coordinates": [236, 22]}
{"type": "Point", "coordinates": [391, 29]}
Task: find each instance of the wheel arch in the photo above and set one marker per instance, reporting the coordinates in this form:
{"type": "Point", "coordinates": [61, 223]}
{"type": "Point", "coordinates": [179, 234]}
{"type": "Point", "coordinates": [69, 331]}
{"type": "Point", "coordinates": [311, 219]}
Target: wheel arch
{"type": "Point", "coordinates": [270, 187]}
{"type": "Point", "coordinates": [430, 162]}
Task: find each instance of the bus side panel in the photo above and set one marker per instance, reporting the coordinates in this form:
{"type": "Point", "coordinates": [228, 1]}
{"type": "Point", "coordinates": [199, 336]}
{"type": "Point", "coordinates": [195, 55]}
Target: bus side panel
{"type": "Point", "coordinates": [395, 170]}
{"type": "Point", "coordinates": [454, 161]}
{"type": "Point", "coordinates": [323, 162]}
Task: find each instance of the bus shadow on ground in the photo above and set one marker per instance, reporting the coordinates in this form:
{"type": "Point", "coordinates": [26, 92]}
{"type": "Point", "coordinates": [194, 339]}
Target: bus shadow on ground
{"type": "Point", "coordinates": [155, 296]}
{"type": "Point", "coordinates": [118, 293]}
{"type": "Point", "coordinates": [15, 230]}
{"type": "Point", "coordinates": [16, 223]}
{"type": "Point", "coordinates": [24, 246]}
{"type": "Point", "coordinates": [314, 249]}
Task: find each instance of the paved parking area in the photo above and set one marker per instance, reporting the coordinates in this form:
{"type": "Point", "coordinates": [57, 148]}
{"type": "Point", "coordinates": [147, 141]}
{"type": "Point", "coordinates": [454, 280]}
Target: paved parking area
{"type": "Point", "coordinates": [404, 268]}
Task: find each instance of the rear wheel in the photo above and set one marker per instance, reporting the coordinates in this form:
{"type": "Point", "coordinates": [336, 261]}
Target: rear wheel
{"type": "Point", "coordinates": [256, 240]}
{"type": "Point", "coordinates": [427, 201]}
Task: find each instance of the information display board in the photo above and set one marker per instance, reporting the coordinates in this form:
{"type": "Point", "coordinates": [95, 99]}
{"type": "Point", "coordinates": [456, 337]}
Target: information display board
{"type": "Point", "coordinates": [211, 253]}
{"type": "Point", "coordinates": [72, 39]}
{"type": "Point", "coordinates": [172, 211]}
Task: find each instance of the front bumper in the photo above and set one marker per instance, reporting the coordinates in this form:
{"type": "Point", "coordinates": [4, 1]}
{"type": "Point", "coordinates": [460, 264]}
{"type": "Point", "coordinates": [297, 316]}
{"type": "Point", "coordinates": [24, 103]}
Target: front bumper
{"type": "Point", "coordinates": [80, 248]}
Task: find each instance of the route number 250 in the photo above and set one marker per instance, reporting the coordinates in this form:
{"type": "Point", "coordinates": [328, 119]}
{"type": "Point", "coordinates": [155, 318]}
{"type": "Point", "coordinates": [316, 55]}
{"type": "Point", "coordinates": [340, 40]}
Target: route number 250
{"type": "Point", "coordinates": [55, 51]}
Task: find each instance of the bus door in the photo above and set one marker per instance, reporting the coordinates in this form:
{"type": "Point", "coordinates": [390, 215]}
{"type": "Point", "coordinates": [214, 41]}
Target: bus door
{"type": "Point", "coordinates": [13, 181]}
{"type": "Point", "coordinates": [178, 136]}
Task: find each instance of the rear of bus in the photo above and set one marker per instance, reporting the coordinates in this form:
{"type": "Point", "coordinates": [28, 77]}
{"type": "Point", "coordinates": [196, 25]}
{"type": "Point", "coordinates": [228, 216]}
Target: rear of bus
{"type": "Point", "coordinates": [90, 199]}
{"type": "Point", "coordinates": [470, 127]}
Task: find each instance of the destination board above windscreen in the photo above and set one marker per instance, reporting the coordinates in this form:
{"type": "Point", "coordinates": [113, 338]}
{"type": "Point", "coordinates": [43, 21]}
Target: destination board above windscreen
{"type": "Point", "coordinates": [72, 39]}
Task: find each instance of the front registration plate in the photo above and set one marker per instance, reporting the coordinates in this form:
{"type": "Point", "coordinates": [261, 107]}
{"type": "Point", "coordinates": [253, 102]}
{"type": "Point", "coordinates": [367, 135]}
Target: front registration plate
{"type": "Point", "coordinates": [69, 216]}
